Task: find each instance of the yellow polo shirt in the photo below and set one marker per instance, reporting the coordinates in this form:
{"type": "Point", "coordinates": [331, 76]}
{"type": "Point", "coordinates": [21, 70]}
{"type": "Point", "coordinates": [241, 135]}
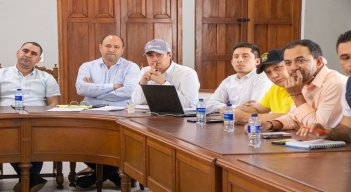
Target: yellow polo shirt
{"type": "Point", "coordinates": [277, 99]}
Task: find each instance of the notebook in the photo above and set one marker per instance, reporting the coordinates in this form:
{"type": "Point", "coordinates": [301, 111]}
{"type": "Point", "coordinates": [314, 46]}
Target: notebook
{"type": "Point", "coordinates": [164, 100]}
{"type": "Point", "coordinates": [315, 144]}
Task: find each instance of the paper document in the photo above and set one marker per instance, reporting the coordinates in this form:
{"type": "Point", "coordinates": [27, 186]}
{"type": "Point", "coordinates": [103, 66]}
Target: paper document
{"type": "Point", "coordinates": [62, 109]}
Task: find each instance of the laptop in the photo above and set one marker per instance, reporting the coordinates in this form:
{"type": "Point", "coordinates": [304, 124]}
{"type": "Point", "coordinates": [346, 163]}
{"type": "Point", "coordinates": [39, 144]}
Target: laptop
{"type": "Point", "coordinates": [164, 100]}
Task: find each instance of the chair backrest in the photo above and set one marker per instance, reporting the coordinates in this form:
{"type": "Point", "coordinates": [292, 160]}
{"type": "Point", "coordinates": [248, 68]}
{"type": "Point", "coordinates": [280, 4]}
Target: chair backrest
{"type": "Point", "coordinates": [53, 71]}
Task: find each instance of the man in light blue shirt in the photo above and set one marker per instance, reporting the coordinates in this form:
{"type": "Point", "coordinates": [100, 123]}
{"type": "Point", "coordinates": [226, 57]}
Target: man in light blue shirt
{"type": "Point", "coordinates": [109, 80]}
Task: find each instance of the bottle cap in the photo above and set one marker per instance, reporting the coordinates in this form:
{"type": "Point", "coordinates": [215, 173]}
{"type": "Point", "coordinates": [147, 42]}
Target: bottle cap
{"type": "Point", "coordinates": [201, 99]}
{"type": "Point", "coordinates": [229, 104]}
{"type": "Point", "coordinates": [254, 115]}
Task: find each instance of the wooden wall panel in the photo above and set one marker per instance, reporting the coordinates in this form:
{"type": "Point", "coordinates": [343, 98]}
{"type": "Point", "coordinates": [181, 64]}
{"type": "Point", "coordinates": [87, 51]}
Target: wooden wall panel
{"type": "Point", "coordinates": [285, 35]}
{"type": "Point", "coordinates": [77, 54]}
{"type": "Point", "coordinates": [104, 8]}
{"type": "Point", "coordinates": [162, 9]}
{"type": "Point", "coordinates": [135, 46]}
{"type": "Point", "coordinates": [77, 8]}
{"type": "Point", "coordinates": [136, 8]}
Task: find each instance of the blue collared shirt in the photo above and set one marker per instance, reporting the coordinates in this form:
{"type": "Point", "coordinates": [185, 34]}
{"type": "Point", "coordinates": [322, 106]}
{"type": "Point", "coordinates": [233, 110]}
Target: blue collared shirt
{"type": "Point", "coordinates": [101, 91]}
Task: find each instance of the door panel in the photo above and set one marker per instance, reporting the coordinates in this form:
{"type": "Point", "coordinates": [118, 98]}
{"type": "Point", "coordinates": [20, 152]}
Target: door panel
{"type": "Point", "coordinates": [220, 24]}
{"type": "Point", "coordinates": [274, 23]}
{"type": "Point", "coordinates": [217, 30]}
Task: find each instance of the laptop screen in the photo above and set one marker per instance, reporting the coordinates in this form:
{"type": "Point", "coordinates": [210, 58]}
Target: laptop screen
{"type": "Point", "coordinates": [162, 99]}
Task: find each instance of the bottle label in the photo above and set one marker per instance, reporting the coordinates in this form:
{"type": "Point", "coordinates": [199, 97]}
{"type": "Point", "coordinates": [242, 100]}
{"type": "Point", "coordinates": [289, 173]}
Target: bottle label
{"type": "Point", "coordinates": [18, 98]}
{"type": "Point", "coordinates": [253, 128]}
{"type": "Point", "coordinates": [201, 110]}
{"type": "Point", "coordinates": [228, 117]}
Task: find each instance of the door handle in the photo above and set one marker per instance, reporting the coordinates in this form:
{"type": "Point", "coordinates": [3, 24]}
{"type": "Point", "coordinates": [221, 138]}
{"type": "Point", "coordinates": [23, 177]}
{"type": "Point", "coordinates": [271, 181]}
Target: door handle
{"type": "Point", "coordinates": [243, 20]}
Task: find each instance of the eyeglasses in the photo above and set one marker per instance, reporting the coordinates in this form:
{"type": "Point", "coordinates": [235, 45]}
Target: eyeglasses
{"type": "Point", "coordinates": [82, 104]}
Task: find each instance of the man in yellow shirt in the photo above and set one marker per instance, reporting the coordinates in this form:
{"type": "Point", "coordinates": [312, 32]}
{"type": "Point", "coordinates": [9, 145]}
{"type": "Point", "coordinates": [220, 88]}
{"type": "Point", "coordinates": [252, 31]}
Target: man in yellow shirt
{"type": "Point", "coordinates": [276, 101]}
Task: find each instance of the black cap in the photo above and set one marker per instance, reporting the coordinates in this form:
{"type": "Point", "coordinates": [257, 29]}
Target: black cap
{"type": "Point", "coordinates": [275, 56]}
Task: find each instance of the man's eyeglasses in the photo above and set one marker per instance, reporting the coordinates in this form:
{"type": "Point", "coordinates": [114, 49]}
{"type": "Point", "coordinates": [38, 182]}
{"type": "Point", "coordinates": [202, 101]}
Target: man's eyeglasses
{"type": "Point", "coordinates": [82, 104]}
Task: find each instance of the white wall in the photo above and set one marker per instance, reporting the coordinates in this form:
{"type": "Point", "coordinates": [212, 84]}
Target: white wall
{"type": "Point", "coordinates": [324, 21]}
{"type": "Point", "coordinates": [35, 20]}
{"type": "Point", "coordinates": [28, 20]}
{"type": "Point", "coordinates": [189, 33]}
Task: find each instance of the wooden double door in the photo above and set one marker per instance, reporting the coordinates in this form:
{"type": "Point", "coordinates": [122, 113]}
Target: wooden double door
{"type": "Point", "coordinates": [219, 25]}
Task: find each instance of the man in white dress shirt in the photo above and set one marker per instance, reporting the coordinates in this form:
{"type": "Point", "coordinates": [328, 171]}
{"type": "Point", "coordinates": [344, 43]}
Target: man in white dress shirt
{"type": "Point", "coordinates": [163, 71]}
{"type": "Point", "coordinates": [243, 86]}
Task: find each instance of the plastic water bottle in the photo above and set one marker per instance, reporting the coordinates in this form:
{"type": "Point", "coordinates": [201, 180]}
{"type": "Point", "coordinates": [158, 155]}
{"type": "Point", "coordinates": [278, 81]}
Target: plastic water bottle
{"type": "Point", "coordinates": [19, 100]}
{"type": "Point", "coordinates": [254, 130]}
{"type": "Point", "coordinates": [201, 112]}
{"type": "Point", "coordinates": [228, 118]}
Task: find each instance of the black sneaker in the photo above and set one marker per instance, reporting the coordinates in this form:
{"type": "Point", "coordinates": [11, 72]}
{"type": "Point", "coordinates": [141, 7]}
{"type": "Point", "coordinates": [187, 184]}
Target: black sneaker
{"type": "Point", "coordinates": [86, 181]}
{"type": "Point", "coordinates": [36, 183]}
{"type": "Point", "coordinates": [116, 180]}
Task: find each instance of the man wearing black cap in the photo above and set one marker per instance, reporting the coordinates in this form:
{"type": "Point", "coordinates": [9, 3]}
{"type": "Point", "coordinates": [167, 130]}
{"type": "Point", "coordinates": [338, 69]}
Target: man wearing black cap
{"type": "Point", "coordinates": [276, 100]}
{"type": "Point", "coordinates": [163, 71]}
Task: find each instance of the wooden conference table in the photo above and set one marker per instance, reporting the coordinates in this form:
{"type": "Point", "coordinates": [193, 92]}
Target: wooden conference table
{"type": "Point", "coordinates": [166, 153]}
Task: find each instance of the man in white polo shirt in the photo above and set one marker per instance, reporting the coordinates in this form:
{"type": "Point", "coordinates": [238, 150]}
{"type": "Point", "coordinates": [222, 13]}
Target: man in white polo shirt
{"type": "Point", "coordinates": [39, 89]}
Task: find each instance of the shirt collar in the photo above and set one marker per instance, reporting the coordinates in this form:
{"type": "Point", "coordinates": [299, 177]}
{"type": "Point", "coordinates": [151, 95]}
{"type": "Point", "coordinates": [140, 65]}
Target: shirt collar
{"type": "Point", "coordinates": [253, 72]}
{"type": "Point", "coordinates": [170, 68]}
{"type": "Point", "coordinates": [320, 77]}
{"type": "Point", "coordinates": [101, 62]}
{"type": "Point", "coordinates": [14, 68]}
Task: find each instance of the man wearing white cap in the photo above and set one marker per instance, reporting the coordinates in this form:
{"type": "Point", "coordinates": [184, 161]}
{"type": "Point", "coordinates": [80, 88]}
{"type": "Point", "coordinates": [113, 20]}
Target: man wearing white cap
{"type": "Point", "coordinates": [163, 71]}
